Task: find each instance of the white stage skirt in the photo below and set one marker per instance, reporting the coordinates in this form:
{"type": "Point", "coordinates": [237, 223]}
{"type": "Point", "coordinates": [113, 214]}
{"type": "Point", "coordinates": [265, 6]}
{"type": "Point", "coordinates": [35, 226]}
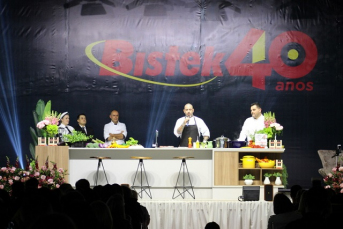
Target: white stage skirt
{"type": "Point", "coordinates": [173, 214]}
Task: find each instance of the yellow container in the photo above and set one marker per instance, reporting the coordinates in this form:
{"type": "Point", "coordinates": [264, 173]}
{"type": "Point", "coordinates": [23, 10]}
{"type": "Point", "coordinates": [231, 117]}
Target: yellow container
{"type": "Point", "coordinates": [269, 164]}
{"type": "Point", "coordinates": [248, 162]}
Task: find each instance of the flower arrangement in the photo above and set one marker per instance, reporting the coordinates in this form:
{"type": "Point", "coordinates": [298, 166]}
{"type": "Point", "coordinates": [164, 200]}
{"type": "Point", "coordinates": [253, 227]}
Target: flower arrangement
{"type": "Point", "coordinates": [46, 122]}
{"type": "Point", "coordinates": [334, 180]}
{"type": "Point", "coordinates": [47, 177]}
{"type": "Point", "coordinates": [271, 127]}
{"type": "Point", "coordinates": [50, 124]}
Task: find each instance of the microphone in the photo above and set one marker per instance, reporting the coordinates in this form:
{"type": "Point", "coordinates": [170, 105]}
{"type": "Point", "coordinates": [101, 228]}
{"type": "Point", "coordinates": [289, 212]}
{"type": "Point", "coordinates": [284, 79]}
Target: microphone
{"type": "Point", "coordinates": [155, 145]}
{"type": "Point", "coordinates": [338, 151]}
{"type": "Point", "coordinates": [187, 123]}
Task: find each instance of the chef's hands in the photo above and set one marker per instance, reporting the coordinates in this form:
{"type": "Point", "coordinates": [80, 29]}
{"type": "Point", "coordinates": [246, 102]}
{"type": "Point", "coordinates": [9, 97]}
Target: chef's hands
{"type": "Point", "coordinates": [180, 129]}
{"type": "Point", "coordinates": [114, 137]}
{"type": "Point", "coordinates": [186, 120]}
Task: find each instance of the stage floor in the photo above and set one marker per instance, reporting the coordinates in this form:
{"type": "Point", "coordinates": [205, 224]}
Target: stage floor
{"type": "Point", "coordinates": [194, 214]}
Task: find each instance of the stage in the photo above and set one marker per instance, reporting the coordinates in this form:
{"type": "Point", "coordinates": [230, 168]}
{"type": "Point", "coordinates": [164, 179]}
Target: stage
{"type": "Point", "coordinates": [194, 214]}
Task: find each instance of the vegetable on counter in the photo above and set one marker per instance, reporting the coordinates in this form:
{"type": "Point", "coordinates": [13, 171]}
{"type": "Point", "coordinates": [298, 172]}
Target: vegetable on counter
{"type": "Point", "coordinates": [116, 145]}
{"type": "Point", "coordinates": [97, 141]}
{"type": "Point", "coordinates": [131, 142]}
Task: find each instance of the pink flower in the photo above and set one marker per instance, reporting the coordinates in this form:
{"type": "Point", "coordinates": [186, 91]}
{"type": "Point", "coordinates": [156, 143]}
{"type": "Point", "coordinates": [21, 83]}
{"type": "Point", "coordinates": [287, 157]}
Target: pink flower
{"type": "Point", "coordinates": [44, 168]}
{"type": "Point", "coordinates": [3, 169]}
{"type": "Point", "coordinates": [10, 182]}
{"type": "Point", "coordinates": [60, 170]}
{"type": "Point", "coordinates": [279, 128]}
{"type": "Point", "coordinates": [340, 169]}
{"type": "Point", "coordinates": [36, 174]}
{"type": "Point", "coordinates": [0, 177]}
{"type": "Point", "coordinates": [330, 175]}
{"type": "Point", "coordinates": [2, 186]}
{"type": "Point", "coordinates": [54, 121]}
{"type": "Point", "coordinates": [50, 181]}
{"type": "Point", "coordinates": [16, 178]}
{"type": "Point", "coordinates": [57, 185]}
{"type": "Point", "coordinates": [274, 125]}
{"type": "Point", "coordinates": [43, 177]}
{"type": "Point", "coordinates": [327, 187]}
{"type": "Point", "coordinates": [334, 169]}
{"type": "Point", "coordinates": [40, 125]}
{"type": "Point", "coordinates": [341, 185]}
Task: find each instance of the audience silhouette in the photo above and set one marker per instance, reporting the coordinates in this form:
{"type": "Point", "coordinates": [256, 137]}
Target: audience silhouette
{"type": "Point", "coordinates": [284, 212]}
{"type": "Point", "coordinates": [102, 207]}
{"type": "Point", "coordinates": [113, 206]}
{"type": "Point", "coordinates": [212, 225]}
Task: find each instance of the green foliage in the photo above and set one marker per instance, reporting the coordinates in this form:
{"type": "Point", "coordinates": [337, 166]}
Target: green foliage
{"type": "Point", "coordinates": [35, 119]}
{"type": "Point", "coordinates": [40, 110]}
{"type": "Point", "coordinates": [268, 175]}
{"type": "Point", "coordinates": [277, 174]}
{"type": "Point", "coordinates": [268, 131]}
{"type": "Point", "coordinates": [76, 136]}
{"type": "Point", "coordinates": [248, 177]}
{"type": "Point", "coordinates": [92, 145]}
{"type": "Point", "coordinates": [34, 136]}
{"type": "Point", "coordinates": [47, 110]}
{"type": "Point", "coordinates": [131, 142]}
{"type": "Point", "coordinates": [52, 130]}
{"type": "Point", "coordinates": [284, 177]}
{"type": "Point", "coordinates": [32, 150]}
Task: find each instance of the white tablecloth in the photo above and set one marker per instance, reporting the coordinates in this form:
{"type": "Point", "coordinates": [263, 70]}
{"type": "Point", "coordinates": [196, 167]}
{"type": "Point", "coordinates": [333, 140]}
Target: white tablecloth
{"type": "Point", "coordinates": [195, 214]}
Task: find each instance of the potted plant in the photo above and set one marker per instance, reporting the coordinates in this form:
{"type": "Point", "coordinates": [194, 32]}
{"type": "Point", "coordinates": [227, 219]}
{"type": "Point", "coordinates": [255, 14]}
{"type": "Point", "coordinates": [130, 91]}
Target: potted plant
{"type": "Point", "coordinates": [248, 179]}
{"type": "Point", "coordinates": [76, 139]}
{"type": "Point", "coordinates": [266, 178]}
{"type": "Point", "coordinates": [278, 180]}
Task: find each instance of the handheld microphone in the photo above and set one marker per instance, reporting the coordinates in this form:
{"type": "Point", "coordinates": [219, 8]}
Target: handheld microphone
{"type": "Point", "coordinates": [338, 150]}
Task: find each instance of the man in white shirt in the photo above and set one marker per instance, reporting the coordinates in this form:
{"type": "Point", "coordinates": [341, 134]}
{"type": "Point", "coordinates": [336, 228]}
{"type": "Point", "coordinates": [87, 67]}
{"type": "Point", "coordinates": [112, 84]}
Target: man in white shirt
{"type": "Point", "coordinates": [252, 124]}
{"type": "Point", "coordinates": [190, 126]}
{"type": "Point", "coordinates": [115, 130]}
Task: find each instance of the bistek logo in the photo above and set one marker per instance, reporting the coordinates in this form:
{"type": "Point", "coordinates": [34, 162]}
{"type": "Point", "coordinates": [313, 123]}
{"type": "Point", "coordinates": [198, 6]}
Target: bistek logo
{"type": "Point", "coordinates": [292, 54]}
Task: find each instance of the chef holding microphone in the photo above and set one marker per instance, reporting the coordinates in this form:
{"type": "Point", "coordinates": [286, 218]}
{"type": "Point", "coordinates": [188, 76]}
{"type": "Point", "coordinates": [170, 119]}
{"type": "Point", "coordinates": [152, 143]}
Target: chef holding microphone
{"type": "Point", "coordinates": [190, 126]}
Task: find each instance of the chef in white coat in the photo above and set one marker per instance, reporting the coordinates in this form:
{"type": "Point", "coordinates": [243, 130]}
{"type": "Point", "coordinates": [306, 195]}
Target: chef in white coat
{"type": "Point", "coordinates": [190, 126]}
{"type": "Point", "coordinates": [115, 130]}
{"type": "Point", "coordinates": [252, 124]}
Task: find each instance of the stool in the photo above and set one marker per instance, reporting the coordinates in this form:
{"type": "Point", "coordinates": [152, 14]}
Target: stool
{"type": "Point", "coordinates": [141, 187]}
{"type": "Point", "coordinates": [184, 187]}
{"type": "Point", "coordinates": [97, 171]}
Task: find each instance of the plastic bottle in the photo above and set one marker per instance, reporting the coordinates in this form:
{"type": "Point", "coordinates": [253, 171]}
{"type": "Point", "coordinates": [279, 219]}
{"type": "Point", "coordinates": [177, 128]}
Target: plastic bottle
{"type": "Point", "coordinates": [190, 142]}
{"type": "Point", "coordinates": [197, 144]}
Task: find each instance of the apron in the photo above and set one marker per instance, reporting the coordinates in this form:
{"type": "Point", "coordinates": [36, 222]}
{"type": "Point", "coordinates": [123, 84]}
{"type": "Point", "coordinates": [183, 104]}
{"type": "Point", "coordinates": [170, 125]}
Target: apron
{"type": "Point", "coordinates": [189, 131]}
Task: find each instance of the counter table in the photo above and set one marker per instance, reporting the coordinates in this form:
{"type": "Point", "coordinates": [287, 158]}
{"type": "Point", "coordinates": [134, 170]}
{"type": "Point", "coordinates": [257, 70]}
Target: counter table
{"type": "Point", "coordinates": [215, 173]}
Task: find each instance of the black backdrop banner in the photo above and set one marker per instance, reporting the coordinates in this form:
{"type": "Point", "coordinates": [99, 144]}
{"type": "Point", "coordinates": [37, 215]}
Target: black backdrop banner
{"type": "Point", "coordinates": [147, 59]}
